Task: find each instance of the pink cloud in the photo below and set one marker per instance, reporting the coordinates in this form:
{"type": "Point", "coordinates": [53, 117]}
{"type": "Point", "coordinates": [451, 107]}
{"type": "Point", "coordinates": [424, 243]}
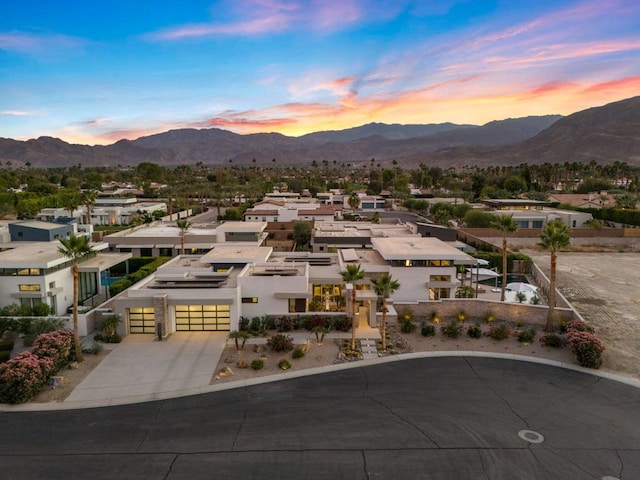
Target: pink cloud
{"type": "Point", "coordinates": [618, 85]}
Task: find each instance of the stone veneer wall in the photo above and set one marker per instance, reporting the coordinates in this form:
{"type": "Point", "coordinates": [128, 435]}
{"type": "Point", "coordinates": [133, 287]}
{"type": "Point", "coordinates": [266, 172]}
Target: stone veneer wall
{"type": "Point", "coordinates": [161, 313]}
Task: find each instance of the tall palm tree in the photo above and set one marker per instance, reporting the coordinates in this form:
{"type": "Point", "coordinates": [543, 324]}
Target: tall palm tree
{"type": "Point", "coordinates": [88, 198]}
{"type": "Point", "coordinates": [385, 286]}
{"type": "Point", "coordinates": [351, 275]}
{"type": "Point", "coordinates": [555, 236]}
{"type": "Point", "coordinates": [75, 248]}
{"type": "Point", "coordinates": [504, 224]}
{"type": "Point", "coordinates": [183, 225]}
{"type": "Point", "coordinates": [354, 201]}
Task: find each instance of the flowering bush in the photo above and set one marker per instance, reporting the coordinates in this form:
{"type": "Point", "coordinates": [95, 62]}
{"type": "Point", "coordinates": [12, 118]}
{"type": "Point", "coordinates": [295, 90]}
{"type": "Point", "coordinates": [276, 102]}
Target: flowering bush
{"type": "Point", "coordinates": [452, 329]}
{"type": "Point", "coordinates": [577, 325]}
{"type": "Point", "coordinates": [56, 346]}
{"type": "Point", "coordinates": [21, 378]}
{"type": "Point", "coordinates": [586, 347]}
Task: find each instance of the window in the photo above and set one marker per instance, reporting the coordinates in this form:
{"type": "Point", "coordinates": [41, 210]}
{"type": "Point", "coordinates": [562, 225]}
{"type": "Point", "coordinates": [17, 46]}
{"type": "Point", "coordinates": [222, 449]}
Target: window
{"type": "Point", "coordinates": [146, 252]}
{"type": "Point", "coordinates": [438, 293]}
{"type": "Point", "coordinates": [29, 287]}
{"type": "Point", "coordinates": [440, 263]}
{"type": "Point", "coordinates": [29, 271]}
{"type": "Point", "coordinates": [249, 299]}
{"type": "Point", "coordinates": [297, 305]}
{"type": "Point", "coordinates": [440, 278]}
{"type": "Point", "coordinates": [537, 224]}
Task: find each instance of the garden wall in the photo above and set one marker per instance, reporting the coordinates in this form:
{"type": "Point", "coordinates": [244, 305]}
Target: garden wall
{"type": "Point", "coordinates": [477, 309]}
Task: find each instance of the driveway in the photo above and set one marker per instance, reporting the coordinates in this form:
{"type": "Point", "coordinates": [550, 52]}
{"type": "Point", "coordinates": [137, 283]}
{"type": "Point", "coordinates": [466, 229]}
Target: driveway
{"type": "Point", "coordinates": [434, 418]}
{"type": "Point", "coordinates": [141, 368]}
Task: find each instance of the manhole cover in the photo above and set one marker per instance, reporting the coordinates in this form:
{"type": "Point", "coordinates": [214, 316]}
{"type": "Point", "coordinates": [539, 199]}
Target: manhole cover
{"type": "Point", "coordinates": [530, 436]}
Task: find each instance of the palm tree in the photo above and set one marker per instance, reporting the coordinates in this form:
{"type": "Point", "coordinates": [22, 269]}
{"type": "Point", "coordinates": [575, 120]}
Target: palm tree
{"type": "Point", "coordinates": [555, 236]}
{"type": "Point", "coordinates": [88, 198]}
{"type": "Point", "coordinates": [385, 286]}
{"type": "Point", "coordinates": [183, 225]}
{"type": "Point", "coordinates": [75, 248]}
{"type": "Point", "coordinates": [351, 275]}
{"type": "Point", "coordinates": [354, 201]}
{"type": "Point", "coordinates": [505, 224]}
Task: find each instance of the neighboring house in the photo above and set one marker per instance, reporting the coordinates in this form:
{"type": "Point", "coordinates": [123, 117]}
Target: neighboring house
{"type": "Point", "coordinates": [34, 272]}
{"type": "Point", "coordinates": [38, 231]}
{"type": "Point", "coordinates": [165, 239]}
{"type": "Point", "coordinates": [585, 200]}
{"type": "Point", "coordinates": [335, 235]}
{"type": "Point", "coordinates": [105, 211]}
{"type": "Point", "coordinates": [536, 214]}
{"type": "Point", "coordinates": [291, 211]}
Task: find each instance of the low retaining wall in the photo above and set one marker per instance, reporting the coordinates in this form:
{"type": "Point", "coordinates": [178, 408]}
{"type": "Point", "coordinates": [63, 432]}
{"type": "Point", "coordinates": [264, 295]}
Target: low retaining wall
{"type": "Point", "coordinates": [477, 309]}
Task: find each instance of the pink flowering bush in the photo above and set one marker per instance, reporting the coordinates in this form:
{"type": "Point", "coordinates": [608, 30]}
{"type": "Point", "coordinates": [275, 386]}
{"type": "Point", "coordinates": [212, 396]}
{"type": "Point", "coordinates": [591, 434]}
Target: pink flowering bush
{"type": "Point", "coordinates": [586, 347]}
{"type": "Point", "coordinates": [21, 378]}
{"type": "Point", "coordinates": [55, 345]}
{"type": "Point", "coordinates": [578, 325]}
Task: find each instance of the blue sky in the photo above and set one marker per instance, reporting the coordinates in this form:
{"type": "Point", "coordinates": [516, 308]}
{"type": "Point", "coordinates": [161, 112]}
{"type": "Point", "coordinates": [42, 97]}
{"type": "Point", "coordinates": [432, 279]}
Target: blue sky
{"type": "Point", "coordinates": [96, 72]}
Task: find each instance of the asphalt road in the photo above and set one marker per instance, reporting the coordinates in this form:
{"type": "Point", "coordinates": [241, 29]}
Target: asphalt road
{"type": "Point", "coordinates": [438, 418]}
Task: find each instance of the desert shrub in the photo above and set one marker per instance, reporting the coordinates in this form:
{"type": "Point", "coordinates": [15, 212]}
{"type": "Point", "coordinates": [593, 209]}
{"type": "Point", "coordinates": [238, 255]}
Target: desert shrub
{"type": "Point", "coordinates": [11, 310]}
{"type": "Point", "coordinates": [474, 331]}
{"type": "Point", "coordinates": [93, 348]}
{"type": "Point", "coordinates": [461, 316]}
{"type": "Point", "coordinates": [41, 310]}
{"type": "Point", "coordinates": [586, 347]}
{"type": "Point", "coordinates": [427, 330]}
{"type": "Point", "coordinates": [8, 325]}
{"type": "Point", "coordinates": [37, 326]}
{"type": "Point", "coordinates": [21, 378]}
{"type": "Point", "coordinates": [451, 329]}
{"type": "Point", "coordinates": [109, 325]}
{"type": "Point", "coordinates": [527, 335]}
{"type": "Point", "coordinates": [257, 364]}
{"type": "Point", "coordinates": [489, 317]}
{"type": "Point", "coordinates": [317, 321]}
{"type": "Point", "coordinates": [269, 323]}
{"type": "Point", "coordinates": [407, 326]}
{"type": "Point", "coordinates": [301, 322]}
{"type": "Point", "coordinates": [284, 324]}
{"type": "Point", "coordinates": [576, 325]}
{"type": "Point", "coordinates": [284, 364]}
{"type": "Point", "coordinates": [553, 340]}
{"type": "Point", "coordinates": [298, 353]}
{"type": "Point", "coordinates": [405, 314]}
{"type": "Point", "coordinates": [341, 323]}
{"type": "Point", "coordinates": [243, 324]}
{"type": "Point", "coordinates": [499, 332]}
{"type": "Point", "coordinates": [257, 326]}
{"type": "Point", "coordinates": [280, 343]}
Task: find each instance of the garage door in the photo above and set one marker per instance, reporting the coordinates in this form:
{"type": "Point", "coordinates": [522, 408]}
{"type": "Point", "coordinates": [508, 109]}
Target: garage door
{"type": "Point", "coordinates": [203, 318]}
{"type": "Point", "coordinates": [142, 320]}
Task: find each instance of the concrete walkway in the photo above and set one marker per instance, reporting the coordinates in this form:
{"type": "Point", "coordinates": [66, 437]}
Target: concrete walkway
{"type": "Point", "coordinates": [140, 367]}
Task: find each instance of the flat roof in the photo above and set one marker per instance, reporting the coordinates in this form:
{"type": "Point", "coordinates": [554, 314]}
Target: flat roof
{"type": "Point", "coordinates": [36, 254]}
{"type": "Point", "coordinates": [418, 248]}
{"type": "Point", "coordinates": [237, 254]}
{"type": "Point", "coordinates": [103, 261]}
{"type": "Point", "coordinates": [242, 227]}
{"type": "Point", "coordinates": [42, 225]}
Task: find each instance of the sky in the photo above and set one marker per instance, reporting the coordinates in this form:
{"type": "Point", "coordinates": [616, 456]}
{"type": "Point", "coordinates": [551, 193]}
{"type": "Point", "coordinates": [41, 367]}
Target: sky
{"type": "Point", "coordinates": [98, 72]}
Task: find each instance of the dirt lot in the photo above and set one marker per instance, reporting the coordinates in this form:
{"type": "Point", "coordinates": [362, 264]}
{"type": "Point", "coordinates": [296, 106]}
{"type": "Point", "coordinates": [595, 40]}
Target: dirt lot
{"type": "Point", "coordinates": [603, 287]}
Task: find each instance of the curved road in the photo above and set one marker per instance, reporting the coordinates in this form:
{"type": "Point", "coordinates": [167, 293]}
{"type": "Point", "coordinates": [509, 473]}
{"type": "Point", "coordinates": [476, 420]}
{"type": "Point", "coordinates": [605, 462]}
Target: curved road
{"type": "Point", "coordinates": [437, 418]}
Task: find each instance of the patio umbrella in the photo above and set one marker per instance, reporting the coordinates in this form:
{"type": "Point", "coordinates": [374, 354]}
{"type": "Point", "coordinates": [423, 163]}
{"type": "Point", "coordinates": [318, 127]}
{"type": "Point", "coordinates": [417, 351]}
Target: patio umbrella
{"type": "Point", "coordinates": [521, 287]}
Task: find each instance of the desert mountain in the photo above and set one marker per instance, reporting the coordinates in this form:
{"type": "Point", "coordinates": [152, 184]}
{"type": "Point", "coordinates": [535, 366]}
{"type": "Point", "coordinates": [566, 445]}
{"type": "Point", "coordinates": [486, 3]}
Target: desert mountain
{"type": "Point", "coordinates": [214, 146]}
{"type": "Point", "coordinates": [605, 134]}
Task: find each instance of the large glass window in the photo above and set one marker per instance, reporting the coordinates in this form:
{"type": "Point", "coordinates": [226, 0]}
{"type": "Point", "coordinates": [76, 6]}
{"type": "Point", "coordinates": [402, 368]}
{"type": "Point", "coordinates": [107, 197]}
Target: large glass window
{"type": "Point", "coordinates": [29, 287]}
{"type": "Point", "coordinates": [440, 278]}
{"type": "Point", "coordinates": [203, 317]}
{"type": "Point", "coordinates": [439, 293]}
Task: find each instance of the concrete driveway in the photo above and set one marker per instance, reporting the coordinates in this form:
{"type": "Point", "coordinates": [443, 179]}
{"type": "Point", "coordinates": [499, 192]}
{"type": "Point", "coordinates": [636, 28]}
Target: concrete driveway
{"type": "Point", "coordinates": [141, 368]}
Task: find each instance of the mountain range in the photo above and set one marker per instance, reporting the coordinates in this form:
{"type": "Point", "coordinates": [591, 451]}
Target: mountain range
{"type": "Point", "coordinates": [604, 134]}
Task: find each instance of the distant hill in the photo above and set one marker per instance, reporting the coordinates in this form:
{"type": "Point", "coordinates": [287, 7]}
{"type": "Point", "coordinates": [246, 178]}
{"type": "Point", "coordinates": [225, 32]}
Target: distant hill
{"type": "Point", "coordinates": [605, 134]}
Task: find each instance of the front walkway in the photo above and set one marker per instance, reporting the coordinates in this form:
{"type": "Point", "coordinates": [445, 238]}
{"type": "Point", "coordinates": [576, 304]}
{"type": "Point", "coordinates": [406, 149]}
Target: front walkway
{"type": "Point", "coordinates": [141, 367]}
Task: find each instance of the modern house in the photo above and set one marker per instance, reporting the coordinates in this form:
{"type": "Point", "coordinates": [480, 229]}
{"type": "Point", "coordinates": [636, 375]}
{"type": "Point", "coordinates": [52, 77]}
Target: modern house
{"type": "Point", "coordinates": [536, 214]}
{"type": "Point", "coordinates": [165, 239]}
{"type": "Point", "coordinates": [212, 291]}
